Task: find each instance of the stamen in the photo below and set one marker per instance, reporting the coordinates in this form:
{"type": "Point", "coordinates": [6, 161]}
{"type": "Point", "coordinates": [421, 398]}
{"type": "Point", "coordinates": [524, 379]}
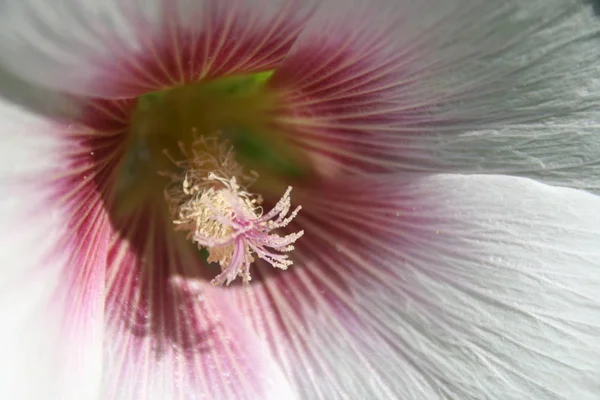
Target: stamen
{"type": "Point", "coordinates": [210, 200]}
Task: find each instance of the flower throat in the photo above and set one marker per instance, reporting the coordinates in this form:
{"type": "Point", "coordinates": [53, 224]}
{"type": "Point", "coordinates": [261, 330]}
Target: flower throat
{"type": "Point", "coordinates": [198, 136]}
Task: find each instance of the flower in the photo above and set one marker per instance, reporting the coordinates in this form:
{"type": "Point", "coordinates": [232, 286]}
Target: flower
{"type": "Point", "coordinates": [432, 265]}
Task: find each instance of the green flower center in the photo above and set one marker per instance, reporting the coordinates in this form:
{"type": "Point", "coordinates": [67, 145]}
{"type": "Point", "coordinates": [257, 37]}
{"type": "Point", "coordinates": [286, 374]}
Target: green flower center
{"type": "Point", "coordinates": [238, 108]}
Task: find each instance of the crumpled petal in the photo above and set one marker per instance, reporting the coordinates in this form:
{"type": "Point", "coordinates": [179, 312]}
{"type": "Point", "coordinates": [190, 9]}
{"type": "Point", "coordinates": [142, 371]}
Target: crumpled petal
{"type": "Point", "coordinates": [169, 334]}
{"type": "Point", "coordinates": [404, 85]}
{"type": "Point", "coordinates": [438, 287]}
{"type": "Point", "coordinates": [119, 48]}
{"type": "Point", "coordinates": [54, 237]}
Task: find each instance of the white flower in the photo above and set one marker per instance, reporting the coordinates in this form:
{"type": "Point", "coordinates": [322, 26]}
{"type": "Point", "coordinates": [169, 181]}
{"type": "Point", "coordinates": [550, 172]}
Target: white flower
{"type": "Point", "coordinates": [438, 149]}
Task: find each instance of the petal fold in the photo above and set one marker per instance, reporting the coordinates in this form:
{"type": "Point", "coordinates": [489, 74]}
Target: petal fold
{"type": "Point", "coordinates": [439, 287]}
{"type": "Point", "coordinates": [561, 151]}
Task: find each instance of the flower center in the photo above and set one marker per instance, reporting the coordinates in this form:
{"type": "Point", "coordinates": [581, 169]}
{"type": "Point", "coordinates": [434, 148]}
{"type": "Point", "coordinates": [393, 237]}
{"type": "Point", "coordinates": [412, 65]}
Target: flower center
{"type": "Point", "coordinates": [223, 216]}
{"type": "Point", "coordinates": [239, 108]}
{"type": "Point", "coordinates": [213, 142]}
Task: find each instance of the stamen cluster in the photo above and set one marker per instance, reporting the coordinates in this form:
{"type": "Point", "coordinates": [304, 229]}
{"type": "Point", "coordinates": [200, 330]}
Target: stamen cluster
{"type": "Point", "coordinates": [211, 202]}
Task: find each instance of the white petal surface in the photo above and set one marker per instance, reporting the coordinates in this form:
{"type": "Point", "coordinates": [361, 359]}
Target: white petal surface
{"type": "Point", "coordinates": [404, 85]}
{"type": "Point", "coordinates": [562, 151]}
{"type": "Point", "coordinates": [124, 48]}
{"type": "Point", "coordinates": [444, 287]}
{"type": "Point", "coordinates": [34, 98]}
{"type": "Point", "coordinates": [53, 242]}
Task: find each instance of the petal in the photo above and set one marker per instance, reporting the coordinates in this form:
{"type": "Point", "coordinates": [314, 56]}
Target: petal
{"type": "Point", "coordinates": [563, 151]}
{"type": "Point", "coordinates": [169, 334]}
{"type": "Point", "coordinates": [54, 235]}
{"type": "Point", "coordinates": [114, 48]}
{"type": "Point", "coordinates": [377, 85]}
{"type": "Point", "coordinates": [42, 101]}
{"type": "Point", "coordinates": [439, 287]}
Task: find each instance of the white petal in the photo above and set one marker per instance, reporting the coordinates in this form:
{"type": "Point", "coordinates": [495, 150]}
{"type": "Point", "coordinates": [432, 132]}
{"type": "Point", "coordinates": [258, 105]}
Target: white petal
{"type": "Point", "coordinates": [404, 85]}
{"type": "Point", "coordinates": [438, 288]}
{"type": "Point", "coordinates": [563, 151]}
{"type": "Point", "coordinates": [124, 48]}
{"type": "Point", "coordinates": [53, 241]}
{"type": "Point", "coordinates": [32, 97]}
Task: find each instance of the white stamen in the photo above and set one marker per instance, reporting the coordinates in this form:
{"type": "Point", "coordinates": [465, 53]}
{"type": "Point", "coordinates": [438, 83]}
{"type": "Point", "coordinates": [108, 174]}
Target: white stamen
{"type": "Point", "coordinates": [210, 201]}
